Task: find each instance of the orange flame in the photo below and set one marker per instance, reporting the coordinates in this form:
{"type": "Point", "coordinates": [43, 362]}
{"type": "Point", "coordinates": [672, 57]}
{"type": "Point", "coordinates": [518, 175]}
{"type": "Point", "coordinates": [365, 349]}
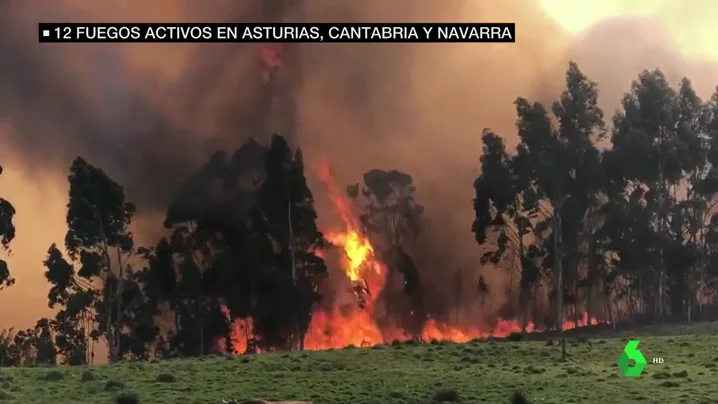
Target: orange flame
{"type": "Point", "coordinates": [361, 266]}
{"type": "Point", "coordinates": [332, 329]}
{"type": "Point", "coordinates": [355, 325]}
{"type": "Point", "coordinates": [357, 250]}
{"type": "Point", "coordinates": [239, 333]}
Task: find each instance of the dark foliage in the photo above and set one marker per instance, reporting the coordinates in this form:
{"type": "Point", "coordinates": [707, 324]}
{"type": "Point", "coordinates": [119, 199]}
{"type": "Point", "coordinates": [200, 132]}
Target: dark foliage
{"type": "Point", "coordinates": [631, 223]}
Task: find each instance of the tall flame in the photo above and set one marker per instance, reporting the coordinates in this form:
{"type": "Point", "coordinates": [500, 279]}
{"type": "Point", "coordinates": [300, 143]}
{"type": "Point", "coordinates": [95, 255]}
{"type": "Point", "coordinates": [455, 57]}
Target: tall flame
{"type": "Point", "coordinates": [354, 324]}
{"type": "Point", "coordinates": [360, 265]}
{"type": "Point", "coordinates": [333, 329]}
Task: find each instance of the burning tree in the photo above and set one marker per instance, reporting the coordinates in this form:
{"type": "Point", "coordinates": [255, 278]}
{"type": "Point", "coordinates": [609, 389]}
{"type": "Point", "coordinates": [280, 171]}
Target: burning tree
{"type": "Point", "coordinates": [392, 220]}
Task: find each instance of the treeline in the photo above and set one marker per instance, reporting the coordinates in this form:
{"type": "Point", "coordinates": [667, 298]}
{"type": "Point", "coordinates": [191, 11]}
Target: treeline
{"type": "Point", "coordinates": [619, 220]}
{"type": "Point", "coordinates": [243, 234]}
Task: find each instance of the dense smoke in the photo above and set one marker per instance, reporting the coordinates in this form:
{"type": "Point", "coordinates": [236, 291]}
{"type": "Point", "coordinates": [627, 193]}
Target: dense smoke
{"type": "Point", "coordinates": [150, 113]}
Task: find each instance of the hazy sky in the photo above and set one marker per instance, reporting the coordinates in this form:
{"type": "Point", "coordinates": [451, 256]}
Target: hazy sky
{"type": "Point", "coordinates": [691, 23]}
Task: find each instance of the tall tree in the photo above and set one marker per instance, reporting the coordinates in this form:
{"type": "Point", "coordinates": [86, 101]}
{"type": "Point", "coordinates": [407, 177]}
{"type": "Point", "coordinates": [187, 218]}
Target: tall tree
{"type": "Point", "coordinates": [555, 172]}
{"type": "Point", "coordinates": [579, 182]}
{"type": "Point", "coordinates": [666, 186]}
{"type": "Point", "coordinates": [244, 236]}
{"type": "Point", "coordinates": [392, 219]}
{"type": "Point", "coordinates": [98, 220]}
{"type": "Point", "coordinates": [705, 282]}
{"type": "Point", "coordinates": [509, 222]}
{"type": "Point", "coordinates": [691, 213]}
{"type": "Point", "coordinates": [285, 216]}
{"type": "Point", "coordinates": [562, 164]}
{"type": "Point", "coordinates": [390, 214]}
{"type": "Point", "coordinates": [211, 255]}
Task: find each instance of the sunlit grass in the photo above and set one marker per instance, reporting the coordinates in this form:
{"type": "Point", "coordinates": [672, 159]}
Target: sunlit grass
{"type": "Point", "coordinates": [477, 372]}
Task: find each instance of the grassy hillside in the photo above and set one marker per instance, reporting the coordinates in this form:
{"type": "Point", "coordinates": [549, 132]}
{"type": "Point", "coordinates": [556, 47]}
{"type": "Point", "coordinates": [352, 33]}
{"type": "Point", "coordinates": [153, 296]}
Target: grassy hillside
{"type": "Point", "coordinates": [478, 372]}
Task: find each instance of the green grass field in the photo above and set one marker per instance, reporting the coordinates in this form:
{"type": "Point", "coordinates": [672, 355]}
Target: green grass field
{"type": "Point", "coordinates": [476, 372]}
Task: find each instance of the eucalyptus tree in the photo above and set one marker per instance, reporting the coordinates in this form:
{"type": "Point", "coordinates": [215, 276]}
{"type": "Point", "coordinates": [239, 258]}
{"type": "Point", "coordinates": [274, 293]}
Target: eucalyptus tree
{"type": "Point", "coordinates": [554, 177]}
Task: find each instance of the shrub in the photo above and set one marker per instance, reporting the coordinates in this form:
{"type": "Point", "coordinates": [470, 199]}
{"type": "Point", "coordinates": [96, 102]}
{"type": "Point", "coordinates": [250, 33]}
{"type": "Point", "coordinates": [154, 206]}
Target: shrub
{"type": "Point", "coordinates": [114, 384]}
{"type": "Point", "coordinates": [88, 376]}
{"type": "Point", "coordinates": [446, 395]}
{"type": "Point", "coordinates": [166, 378]}
{"type": "Point", "coordinates": [127, 398]}
{"type": "Point", "coordinates": [518, 398]}
{"type": "Point", "coordinates": [52, 376]}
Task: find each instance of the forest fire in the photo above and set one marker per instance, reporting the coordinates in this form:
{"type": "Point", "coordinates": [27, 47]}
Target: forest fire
{"type": "Point", "coordinates": [339, 327]}
{"type": "Point", "coordinates": [358, 310]}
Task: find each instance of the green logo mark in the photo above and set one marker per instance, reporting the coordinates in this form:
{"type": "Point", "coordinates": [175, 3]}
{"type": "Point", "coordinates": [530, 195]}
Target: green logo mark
{"type": "Point", "coordinates": [631, 352]}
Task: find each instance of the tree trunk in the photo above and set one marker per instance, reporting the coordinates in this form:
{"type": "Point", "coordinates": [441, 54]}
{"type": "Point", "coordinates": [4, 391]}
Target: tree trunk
{"type": "Point", "coordinates": [118, 306]}
{"type": "Point", "coordinates": [592, 276]}
{"type": "Point", "coordinates": [291, 241]}
{"type": "Point", "coordinates": [558, 267]}
{"type": "Point", "coordinates": [296, 338]}
{"type": "Point", "coordinates": [176, 318]}
{"type": "Point", "coordinates": [200, 317]}
{"type": "Point", "coordinates": [660, 296]}
{"type": "Point", "coordinates": [661, 226]}
{"type": "Point", "coordinates": [589, 305]}
{"type": "Point", "coordinates": [536, 308]}
{"type": "Point", "coordinates": [88, 341]}
{"type": "Point", "coordinates": [576, 317]}
{"type": "Point", "coordinates": [524, 307]}
{"type": "Point", "coordinates": [688, 314]}
{"type": "Point", "coordinates": [523, 288]}
{"type": "Point", "coordinates": [109, 332]}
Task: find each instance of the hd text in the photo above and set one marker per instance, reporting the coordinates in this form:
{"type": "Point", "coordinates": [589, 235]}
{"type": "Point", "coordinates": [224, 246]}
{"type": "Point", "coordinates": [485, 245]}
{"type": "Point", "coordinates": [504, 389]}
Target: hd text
{"type": "Point", "coordinates": [291, 32]}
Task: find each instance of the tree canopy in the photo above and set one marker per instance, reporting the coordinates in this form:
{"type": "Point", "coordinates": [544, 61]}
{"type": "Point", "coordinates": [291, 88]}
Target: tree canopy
{"type": "Point", "coordinates": [631, 222]}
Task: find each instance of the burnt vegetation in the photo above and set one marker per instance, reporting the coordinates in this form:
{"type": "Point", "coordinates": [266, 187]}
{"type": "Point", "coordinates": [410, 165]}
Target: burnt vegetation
{"type": "Point", "coordinates": [616, 221]}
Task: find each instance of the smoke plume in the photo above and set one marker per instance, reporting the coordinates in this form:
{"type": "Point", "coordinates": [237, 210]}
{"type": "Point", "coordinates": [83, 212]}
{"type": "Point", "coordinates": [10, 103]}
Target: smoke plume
{"type": "Point", "coordinates": [150, 113]}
